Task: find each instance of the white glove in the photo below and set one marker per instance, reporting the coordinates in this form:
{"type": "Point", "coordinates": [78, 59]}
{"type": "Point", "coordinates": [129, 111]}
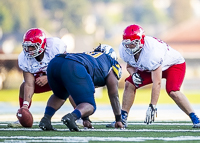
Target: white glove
{"type": "Point", "coordinates": [136, 79]}
{"type": "Point", "coordinates": [150, 114]}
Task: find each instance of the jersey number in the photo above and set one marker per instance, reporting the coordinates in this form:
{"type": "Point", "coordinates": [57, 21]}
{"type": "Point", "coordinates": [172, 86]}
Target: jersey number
{"type": "Point", "coordinates": [94, 54]}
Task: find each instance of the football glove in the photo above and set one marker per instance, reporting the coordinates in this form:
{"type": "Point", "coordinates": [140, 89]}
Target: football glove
{"type": "Point", "coordinates": [150, 114]}
{"type": "Point", "coordinates": [136, 79]}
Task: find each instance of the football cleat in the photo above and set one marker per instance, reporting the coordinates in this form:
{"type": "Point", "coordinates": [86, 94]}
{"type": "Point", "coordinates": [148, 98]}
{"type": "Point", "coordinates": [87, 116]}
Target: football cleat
{"type": "Point", "coordinates": [111, 125]}
{"type": "Point", "coordinates": [196, 125]}
{"type": "Point", "coordinates": [14, 124]}
{"type": "Point", "coordinates": [45, 125]}
{"type": "Point", "coordinates": [124, 120]}
{"type": "Point", "coordinates": [195, 120]}
{"type": "Point", "coordinates": [79, 122]}
{"type": "Point", "coordinates": [69, 121]}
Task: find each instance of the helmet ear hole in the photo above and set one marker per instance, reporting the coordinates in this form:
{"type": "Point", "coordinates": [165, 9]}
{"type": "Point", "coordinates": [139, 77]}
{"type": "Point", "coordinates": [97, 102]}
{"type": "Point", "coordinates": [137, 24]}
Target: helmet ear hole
{"type": "Point", "coordinates": [34, 37]}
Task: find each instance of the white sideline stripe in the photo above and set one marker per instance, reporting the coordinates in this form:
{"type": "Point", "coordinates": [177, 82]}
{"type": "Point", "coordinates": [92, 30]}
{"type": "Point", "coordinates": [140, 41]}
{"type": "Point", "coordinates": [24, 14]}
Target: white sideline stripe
{"type": "Point", "coordinates": [104, 130]}
{"type": "Point", "coordinates": [87, 139]}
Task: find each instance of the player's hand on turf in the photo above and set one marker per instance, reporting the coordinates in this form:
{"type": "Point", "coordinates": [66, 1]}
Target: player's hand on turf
{"type": "Point", "coordinates": [119, 125]}
{"type": "Point", "coordinates": [87, 124]}
{"type": "Point", "coordinates": [150, 114]}
{"type": "Point", "coordinates": [41, 81]}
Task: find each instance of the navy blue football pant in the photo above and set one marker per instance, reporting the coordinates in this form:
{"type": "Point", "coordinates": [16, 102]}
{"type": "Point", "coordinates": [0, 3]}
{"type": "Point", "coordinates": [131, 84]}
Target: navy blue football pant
{"type": "Point", "coordinates": [67, 77]}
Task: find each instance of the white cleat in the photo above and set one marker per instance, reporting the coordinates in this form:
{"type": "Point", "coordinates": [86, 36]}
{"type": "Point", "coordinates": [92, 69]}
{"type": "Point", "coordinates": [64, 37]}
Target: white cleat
{"type": "Point", "coordinates": [14, 124]}
{"type": "Point", "coordinates": [79, 122]}
{"type": "Point", "coordinates": [196, 125]}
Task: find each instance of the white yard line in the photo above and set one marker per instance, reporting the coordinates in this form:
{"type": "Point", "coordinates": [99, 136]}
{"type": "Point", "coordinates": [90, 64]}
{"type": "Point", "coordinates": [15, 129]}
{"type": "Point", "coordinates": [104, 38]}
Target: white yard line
{"type": "Point", "coordinates": [167, 124]}
{"type": "Point", "coordinates": [87, 139]}
{"type": "Point", "coordinates": [103, 130]}
{"type": "Point", "coordinates": [132, 123]}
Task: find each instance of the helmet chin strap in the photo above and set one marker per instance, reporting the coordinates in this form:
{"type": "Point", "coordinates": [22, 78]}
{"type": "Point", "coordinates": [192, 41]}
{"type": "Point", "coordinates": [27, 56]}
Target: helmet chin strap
{"type": "Point", "coordinates": [137, 51]}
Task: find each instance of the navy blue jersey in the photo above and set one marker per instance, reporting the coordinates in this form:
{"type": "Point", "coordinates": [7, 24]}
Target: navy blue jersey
{"type": "Point", "coordinates": [97, 64]}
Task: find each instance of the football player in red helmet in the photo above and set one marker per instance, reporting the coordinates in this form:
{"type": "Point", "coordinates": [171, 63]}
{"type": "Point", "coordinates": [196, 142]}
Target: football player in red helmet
{"type": "Point", "coordinates": [149, 59]}
{"type": "Point", "coordinates": [34, 42]}
{"type": "Point", "coordinates": [133, 39]}
{"type": "Point", "coordinates": [33, 60]}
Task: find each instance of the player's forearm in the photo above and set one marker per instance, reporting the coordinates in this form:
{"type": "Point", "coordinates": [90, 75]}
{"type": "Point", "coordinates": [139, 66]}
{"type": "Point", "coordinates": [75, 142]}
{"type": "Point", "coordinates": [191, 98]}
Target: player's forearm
{"type": "Point", "coordinates": [155, 93]}
{"type": "Point", "coordinates": [28, 93]}
{"type": "Point", "coordinates": [130, 69]}
{"type": "Point", "coordinates": [114, 100]}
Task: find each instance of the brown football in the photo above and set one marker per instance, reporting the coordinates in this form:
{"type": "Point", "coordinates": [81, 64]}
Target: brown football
{"type": "Point", "coordinates": [25, 117]}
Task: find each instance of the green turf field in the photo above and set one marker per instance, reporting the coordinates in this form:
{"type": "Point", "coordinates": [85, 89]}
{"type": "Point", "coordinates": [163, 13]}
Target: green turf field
{"type": "Point", "coordinates": [142, 96]}
{"type": "Point", "coordinates": [158, 132]}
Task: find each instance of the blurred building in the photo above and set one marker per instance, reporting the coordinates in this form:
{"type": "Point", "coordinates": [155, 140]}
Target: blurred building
{"type": "Point", "coordinates": [185, 38]}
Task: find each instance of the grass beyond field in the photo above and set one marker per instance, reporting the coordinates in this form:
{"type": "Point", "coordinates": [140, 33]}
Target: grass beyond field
{"type": "Point", "coordinates": [142, 96]}
{"type": "Point", "coordinates": [158, 132]}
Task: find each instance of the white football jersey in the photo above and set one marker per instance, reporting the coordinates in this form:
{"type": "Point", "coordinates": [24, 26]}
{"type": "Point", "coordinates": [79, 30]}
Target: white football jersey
{"type": "Point", "coordinates": [154, 53]}
{"type": "Point", "coordinates": [54, 46]}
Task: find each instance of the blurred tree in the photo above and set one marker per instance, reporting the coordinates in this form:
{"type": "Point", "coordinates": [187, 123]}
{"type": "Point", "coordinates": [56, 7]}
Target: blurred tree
{"type": "Point", "coordinates": [142, 12]}
{"type": "Point", "coordinates": [68, 14]}
{"type": "Point", "coordinates": [18, 16]}
{"type": "Point", "coordinates": [6, 18]}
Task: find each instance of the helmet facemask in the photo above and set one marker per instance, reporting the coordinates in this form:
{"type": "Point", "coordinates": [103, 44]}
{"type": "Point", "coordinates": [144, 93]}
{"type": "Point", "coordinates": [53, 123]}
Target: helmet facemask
{"type": "Point", "coordinates": [132, 51]}
{"type": "Point", "coordinates": [32, 54]}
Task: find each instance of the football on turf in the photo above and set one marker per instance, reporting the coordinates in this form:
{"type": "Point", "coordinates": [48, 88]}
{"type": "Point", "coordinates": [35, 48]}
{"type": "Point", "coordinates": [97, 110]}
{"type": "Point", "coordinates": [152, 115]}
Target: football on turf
{"type": "Point", "coordinates": [25, 117]}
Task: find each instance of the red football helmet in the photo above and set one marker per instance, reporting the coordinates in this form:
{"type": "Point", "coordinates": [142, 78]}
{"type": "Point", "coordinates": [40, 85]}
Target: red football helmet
{"type": "Point", "coordinates": [36, 38]}
{"type": "Point", "coordinates": [133, 34]}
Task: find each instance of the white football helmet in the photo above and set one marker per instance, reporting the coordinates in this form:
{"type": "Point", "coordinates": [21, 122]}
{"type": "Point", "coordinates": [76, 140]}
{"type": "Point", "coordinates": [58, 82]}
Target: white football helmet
{"type": "Point", "coordinates": [107, 50]}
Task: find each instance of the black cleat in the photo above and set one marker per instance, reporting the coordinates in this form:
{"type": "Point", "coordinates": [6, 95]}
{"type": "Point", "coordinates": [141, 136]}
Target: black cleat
{"type": "Point", "coordinates": [45, 125]}
{"type": "Point", "coordinates": [69, 121]}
